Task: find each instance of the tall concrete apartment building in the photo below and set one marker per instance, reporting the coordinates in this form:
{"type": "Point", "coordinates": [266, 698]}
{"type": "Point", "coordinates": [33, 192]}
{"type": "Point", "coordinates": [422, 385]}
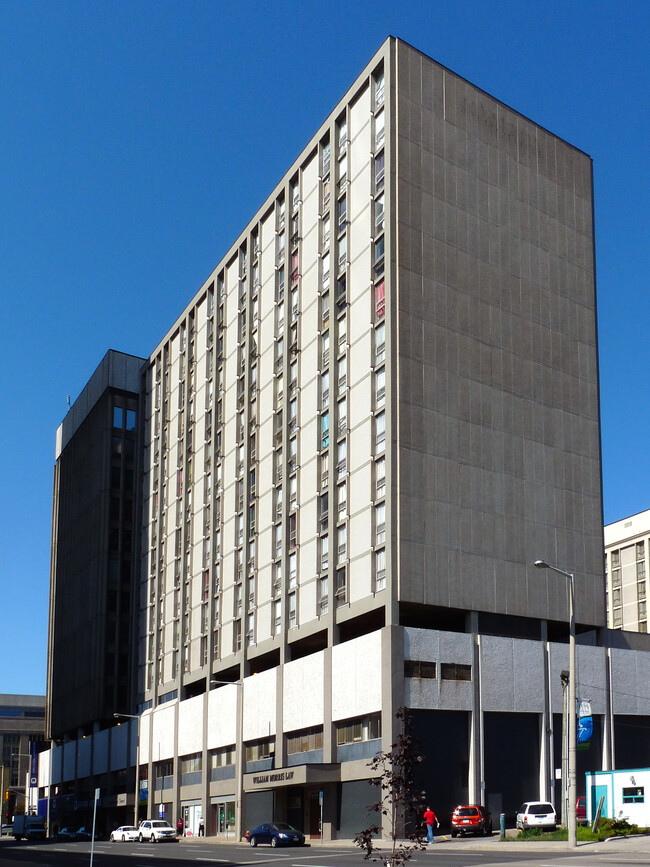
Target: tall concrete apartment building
{"type": "Point", "coordinates": [627, 565]}
{"type": "Point", "coordinates": [379, 409]}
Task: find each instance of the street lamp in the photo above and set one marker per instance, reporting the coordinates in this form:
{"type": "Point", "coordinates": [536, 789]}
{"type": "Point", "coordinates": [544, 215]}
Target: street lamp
{"type": "Point", "coordinates": [571, 793]}
{"type": "Point", "coordinates": [137, 762]}
{"type": "Point", "coordinates": [240, 753]}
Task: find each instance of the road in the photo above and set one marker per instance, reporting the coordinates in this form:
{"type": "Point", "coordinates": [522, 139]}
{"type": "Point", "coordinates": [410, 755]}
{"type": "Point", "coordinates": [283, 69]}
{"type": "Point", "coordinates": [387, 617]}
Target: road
{"type": "Point", "coordinates": [457, 853]}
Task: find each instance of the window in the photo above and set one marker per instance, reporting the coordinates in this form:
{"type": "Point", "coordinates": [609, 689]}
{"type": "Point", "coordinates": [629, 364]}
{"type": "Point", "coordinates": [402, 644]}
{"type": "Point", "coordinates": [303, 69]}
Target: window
{"type": "Point", "coordinates": [380, 299]}
{"type": "Point", "coordinates": [118, 417]}
{"type": "Point", "coordinates": [325, 271]}
{"type": "Point", "coordinates": [323, 600]}
{"type": "Point", "coordinates": [640, 550]}
{"type": "Point", "coordinates": [255, 752]}
{"type": "Point", "coordinates": [324, 553]}
{"type": "Point", "coordinates": [341, 500]}
{"type": "Point", "coordinates": [191, 764]}
{"type": "Point", "coordinates": [640, 569]}
{"type": "Point", "coordinates": [324, 468]}
{"type": "Point", "coordinates": [380, 432]}
{"type": "Point", "coordinates": [380, 128]}
{"type": "Point", "coordinates": [379, 171]}
{"type": "Point", "coordinates": [380, 213]}
{"type": "Point", "coordinates": [342, 413]}
{"type": "Point", "coordinates": [324, 430]}
{"type": "Point", "coordinates": [342, 374]}
{"type": "Point", "coordinates": [380, 478]}
{"type": "Point", "coordinates": [379, 89]}
{"type": "Point", "coordinates": [633, 795]}
{"type": "Point", "coordinates": [379, 256]}
{"type": "Point", "coordinates": [325, 308]}
{"type": "Point", "coordinates": [455, 671]}
{"type": "Point", "coordinates": [642, 611]}
{"type": "Point", "coordinates": [380, 569]}
{"type": "Point", "coordinates": [641, 590]}
{"type": "Point", "coordinates": [325, 158]}
{"type": "Point", "coordinates": [380, 387]}
{"type": "Point", "coordinates": [616, 577]}
{"type": "Point", "coordinates": [618, 616]}
{"type": "Point", "coordinates": [325, 389]}
{"type": "Point", "coordinates": [419, 669]}
{"type": "Point", "coordinates": [277, 617]}
{"type": "Point", "coordinates": [341, 586]}
{"type": "Point", "coordinates": [291, 610]}
{"type": "Point", "coordinates": [380, 343]}
{"type": "Point", "coordinates": [323, 511]}
{"type": "Point", "coordinates": [380, 524]}
{"type": "Point", "coordinates": [341, 212]}
{"type": "Point", "coordinates": [341, 458]}
{"type": "Point", "coordinates": [356, 730]}
{"type": "Point", "coordinates": [342, 135]}
{"type": "Point", "coordinates": [325, 232]}
{"type": "Point", "coordinates": [616, 596]}
{"type": "Point", "coordinates": [341, 543]}
{"type": "Point", "coordinates": [325, 349]}
{"type": "Point", "coordinates": [223, 757]}
{"type": "Point", "coordinates": [343, 251]}
{"type": "Point", "coordinates": [305, 741]}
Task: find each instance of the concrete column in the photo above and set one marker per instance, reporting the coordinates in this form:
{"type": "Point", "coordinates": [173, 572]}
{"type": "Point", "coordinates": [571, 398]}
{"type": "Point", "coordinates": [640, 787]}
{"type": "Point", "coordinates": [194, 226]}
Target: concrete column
{"type": "Point", "coordinates": [476, 784]}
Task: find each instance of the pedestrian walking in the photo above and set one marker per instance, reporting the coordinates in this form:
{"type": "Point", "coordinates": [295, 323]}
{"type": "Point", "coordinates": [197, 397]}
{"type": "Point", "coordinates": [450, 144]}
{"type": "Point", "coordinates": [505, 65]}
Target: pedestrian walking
{"type": "Point", "coordinates": [201, 827]}
{"type": "Point", "coordinates": [180, 825]}
{"type": "Point", "coordinates": [430, 819]}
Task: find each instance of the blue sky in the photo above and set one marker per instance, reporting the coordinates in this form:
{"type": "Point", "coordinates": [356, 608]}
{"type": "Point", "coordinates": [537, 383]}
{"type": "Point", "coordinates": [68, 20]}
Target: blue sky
{"type": "Point", "coordinates": [137, 139]}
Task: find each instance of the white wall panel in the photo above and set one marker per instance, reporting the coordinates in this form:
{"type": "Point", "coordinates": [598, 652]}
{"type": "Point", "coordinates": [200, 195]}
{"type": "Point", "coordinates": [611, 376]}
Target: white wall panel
{"type": "Point", "coordinates": [304, 678]}
{"type": "Point", "coordinates": [190, 725]}
{"type": "Point", "coordinates": [356, 677]}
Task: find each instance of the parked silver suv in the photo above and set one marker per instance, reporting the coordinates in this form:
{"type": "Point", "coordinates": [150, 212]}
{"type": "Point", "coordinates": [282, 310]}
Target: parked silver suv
{"type": "Point", "coordinates": [154, 830]}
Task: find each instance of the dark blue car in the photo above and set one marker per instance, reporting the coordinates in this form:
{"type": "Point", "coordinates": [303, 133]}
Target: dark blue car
{"type": "Point", "coordinates": [277, 834]}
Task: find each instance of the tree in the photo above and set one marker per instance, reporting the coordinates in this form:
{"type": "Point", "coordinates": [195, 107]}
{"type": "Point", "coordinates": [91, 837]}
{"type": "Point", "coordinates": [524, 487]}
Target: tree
{"type": "Point", "coordinates": [401, 803]}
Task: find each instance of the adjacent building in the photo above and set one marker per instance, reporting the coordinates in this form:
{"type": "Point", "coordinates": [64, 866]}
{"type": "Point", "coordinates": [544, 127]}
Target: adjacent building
{"type": "Point", "coordinates": [22, 729]}
{"type": "Point", "coordinates": [91, 636]}
{"type": "Point", "coordinates": [377, 412]}
{"type": "Point", "coordinates": [627, 561]}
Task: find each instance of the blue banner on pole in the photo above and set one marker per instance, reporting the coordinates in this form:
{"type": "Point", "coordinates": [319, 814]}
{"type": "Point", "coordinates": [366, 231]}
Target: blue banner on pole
{"type": "Point", "coordinates": [33, 764]}
{"type": "Point", "coordinates": [585, 725]}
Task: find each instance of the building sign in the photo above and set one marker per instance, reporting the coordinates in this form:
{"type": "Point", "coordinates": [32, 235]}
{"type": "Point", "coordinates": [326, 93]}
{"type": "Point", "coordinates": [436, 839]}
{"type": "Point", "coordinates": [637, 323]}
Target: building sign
{"type": "Point", "coordinates": [300, 775]}
{"type": "Point", "coordinates": [274, 777]}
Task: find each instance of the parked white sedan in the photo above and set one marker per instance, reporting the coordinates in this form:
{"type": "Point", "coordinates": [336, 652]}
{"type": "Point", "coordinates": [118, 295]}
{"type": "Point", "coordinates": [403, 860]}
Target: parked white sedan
{"type": "Point", "coordinates": [124, 834]}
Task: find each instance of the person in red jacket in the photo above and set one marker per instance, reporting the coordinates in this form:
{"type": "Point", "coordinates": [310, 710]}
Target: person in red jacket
{"type": "Point", "coordinates": [429, 819]}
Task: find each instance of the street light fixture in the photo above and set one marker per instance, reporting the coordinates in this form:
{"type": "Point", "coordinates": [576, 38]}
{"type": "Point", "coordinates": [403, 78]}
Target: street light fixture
{"type": "Point", "coordinates": [240, 753]}
{"type": "Point", "coordinates": [137, 762]}
{"type": "Point", "coordinates": [571, 788]}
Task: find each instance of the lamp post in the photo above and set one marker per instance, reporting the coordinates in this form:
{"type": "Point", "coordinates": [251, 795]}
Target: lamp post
{"type": "Point", "coordinates": [240, 753]}
{"type": "Point", "coordinates": [571, 787]}
{"type": "Point", "coordinates": [137, 762]}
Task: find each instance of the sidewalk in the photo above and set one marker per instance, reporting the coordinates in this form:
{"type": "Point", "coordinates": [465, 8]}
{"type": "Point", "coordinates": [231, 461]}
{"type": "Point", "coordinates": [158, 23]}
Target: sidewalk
{"type": "Point", "coordinates": [637, 844]}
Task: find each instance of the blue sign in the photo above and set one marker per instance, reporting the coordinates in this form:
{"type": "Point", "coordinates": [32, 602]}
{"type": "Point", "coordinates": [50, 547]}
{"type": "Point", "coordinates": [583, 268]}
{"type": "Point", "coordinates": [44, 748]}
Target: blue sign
{"type": "Point", "coordinates": [33, 764]}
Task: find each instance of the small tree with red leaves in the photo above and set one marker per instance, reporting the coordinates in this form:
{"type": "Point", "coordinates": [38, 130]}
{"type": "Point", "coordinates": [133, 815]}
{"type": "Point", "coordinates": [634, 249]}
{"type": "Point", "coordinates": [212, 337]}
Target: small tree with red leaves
{"type": "Point", "coordinates": [401, 804]}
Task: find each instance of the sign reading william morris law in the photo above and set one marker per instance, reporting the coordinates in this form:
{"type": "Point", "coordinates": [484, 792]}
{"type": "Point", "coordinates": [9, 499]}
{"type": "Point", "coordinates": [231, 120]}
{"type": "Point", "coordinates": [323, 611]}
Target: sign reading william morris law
{"type": "Point", "coordinates": [272, 777]}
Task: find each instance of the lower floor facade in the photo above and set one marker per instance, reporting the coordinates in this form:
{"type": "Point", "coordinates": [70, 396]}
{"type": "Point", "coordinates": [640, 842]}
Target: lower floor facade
{"type": "Point", "coordinates": [293, 742]}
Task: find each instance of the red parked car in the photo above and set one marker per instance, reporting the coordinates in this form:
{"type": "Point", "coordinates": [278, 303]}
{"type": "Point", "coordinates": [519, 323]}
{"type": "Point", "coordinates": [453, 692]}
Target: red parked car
{"type": "Point", "coordinates": [471, 819]}
{"type": "Point", "coordinates": [581, 808]}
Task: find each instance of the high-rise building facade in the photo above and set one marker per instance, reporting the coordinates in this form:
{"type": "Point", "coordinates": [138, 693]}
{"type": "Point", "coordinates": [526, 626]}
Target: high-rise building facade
{"type": "Point", "coordinates": [378, 411]}
{"type": "Point", "coordinates": [627, 564]}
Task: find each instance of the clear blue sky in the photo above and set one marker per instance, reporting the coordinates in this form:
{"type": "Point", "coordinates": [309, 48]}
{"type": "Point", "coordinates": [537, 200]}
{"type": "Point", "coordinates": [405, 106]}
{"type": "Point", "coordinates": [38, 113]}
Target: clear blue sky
{"type": "Point", "coordinates": [137, 139]}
